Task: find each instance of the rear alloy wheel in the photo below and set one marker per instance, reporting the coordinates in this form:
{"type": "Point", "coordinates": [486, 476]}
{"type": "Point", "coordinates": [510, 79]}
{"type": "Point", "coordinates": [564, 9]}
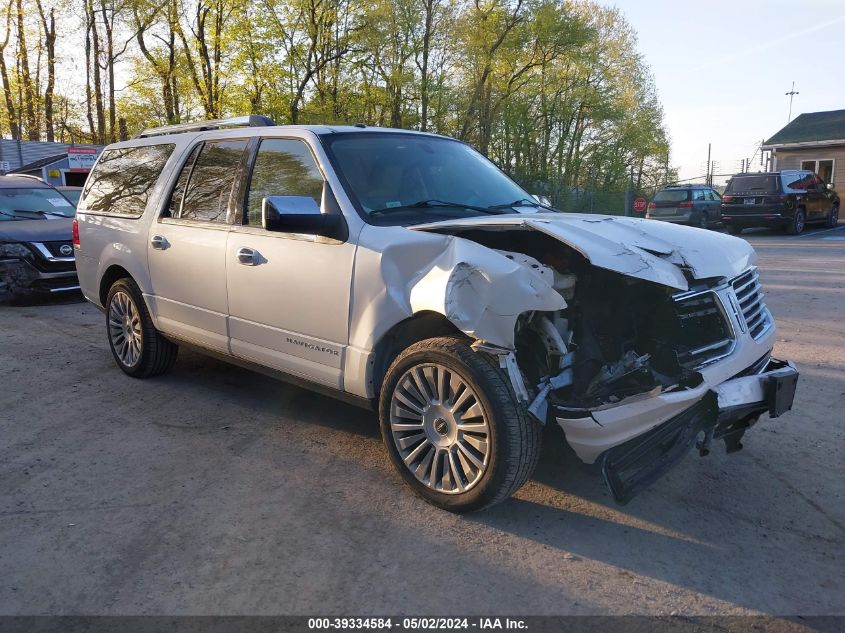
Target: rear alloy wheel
{"type": "Point", "coordinates": [453, 428]}
{"type": "Point", "coordinates": [833, 219]}
{"type": "Point", "coordinates": [796, 226]}
{"type": "Point", "coordinates": [733, 229]}
{"type": "Point", "coordinates": [138, 348]}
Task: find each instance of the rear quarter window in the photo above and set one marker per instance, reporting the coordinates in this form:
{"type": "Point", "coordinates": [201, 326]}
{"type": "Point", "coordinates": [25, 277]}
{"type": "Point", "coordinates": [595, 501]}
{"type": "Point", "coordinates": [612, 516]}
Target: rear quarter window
{"type": "Point", "coordinates": [123, 179]}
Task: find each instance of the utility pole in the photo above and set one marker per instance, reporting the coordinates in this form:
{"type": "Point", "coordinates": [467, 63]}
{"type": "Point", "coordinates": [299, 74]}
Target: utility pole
{"type": "Point", "coordinates": [707, 181]}
{"type": "Point", "coordinates": [791, 94]}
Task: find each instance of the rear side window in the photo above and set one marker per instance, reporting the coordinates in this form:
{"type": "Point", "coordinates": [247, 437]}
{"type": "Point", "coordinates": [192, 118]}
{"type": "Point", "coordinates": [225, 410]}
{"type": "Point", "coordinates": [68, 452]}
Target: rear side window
{"type": "Point", "coordinates": [211, 179]}
{"type": "Point", "coordinates": [671, 195]}
{"type": "Point", "coordinates": [798, 182]}
{"type": "Point", "coordinates": [755, 183]}
{"type": "Point", "coordinates": [123, 179]}
{"type": "Point", "coordinates": [178, 194]}
{"type": "Point", "coordinates": [698, 194]}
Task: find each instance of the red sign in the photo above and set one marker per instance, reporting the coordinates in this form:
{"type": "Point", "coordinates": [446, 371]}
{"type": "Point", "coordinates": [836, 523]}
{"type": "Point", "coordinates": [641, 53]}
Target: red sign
{"type": "Point", "coordinates": [639, 205]}
{"type": "Point", "coordinates": [81, 159]}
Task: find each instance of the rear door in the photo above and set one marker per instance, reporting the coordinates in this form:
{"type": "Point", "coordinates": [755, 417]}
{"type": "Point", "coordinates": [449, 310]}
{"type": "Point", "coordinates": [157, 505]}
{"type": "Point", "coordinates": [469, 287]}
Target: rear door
{"type": "Point", "coordinates": [187, 245]}
{"type": "Point", "coordinates": [816, 200]}
{"type": "Point", "coordinates": [288, 293]}
{"type": "Point", "coordinates": [714, 203]}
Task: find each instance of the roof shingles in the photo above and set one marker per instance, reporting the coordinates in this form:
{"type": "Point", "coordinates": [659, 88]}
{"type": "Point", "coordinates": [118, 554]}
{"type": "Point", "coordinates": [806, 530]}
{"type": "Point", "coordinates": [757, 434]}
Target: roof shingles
{"type": "Point", "coordinates": [812, 127]}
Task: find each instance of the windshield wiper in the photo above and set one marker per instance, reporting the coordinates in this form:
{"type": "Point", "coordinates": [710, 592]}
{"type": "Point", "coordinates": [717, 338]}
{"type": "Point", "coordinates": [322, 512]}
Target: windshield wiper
{"type": "Point", "coordinates": [429, 204]}
{"type": "Point", "coordinates": [522, 202]}
{"type": "Point", "coordinates": [41, 212]}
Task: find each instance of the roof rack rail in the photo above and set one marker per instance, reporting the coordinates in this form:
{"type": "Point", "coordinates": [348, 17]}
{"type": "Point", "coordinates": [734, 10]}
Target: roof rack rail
{"type": "Point", "coordinates": [253, 120]}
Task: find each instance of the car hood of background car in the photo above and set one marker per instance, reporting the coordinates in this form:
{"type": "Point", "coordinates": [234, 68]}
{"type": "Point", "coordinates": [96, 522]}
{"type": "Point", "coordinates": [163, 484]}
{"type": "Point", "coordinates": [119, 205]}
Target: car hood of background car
{"type": "Point", "coordinates": [654, 251]}
{"type": "Point", "coordinates": [47, 230]}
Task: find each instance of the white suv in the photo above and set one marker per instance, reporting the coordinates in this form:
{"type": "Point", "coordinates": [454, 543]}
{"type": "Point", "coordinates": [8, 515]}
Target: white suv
{"type": "Point", "coordinates": [406, 273]}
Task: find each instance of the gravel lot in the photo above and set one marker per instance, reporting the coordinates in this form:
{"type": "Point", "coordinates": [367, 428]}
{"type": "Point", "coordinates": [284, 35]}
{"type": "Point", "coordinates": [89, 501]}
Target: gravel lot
{"type": "Point", "coordinates": [213, 490]}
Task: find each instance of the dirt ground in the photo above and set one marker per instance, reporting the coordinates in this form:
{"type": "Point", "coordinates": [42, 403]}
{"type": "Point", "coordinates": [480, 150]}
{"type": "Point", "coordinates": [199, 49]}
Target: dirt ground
{"type": "Point", "coordinates": [213, 490]}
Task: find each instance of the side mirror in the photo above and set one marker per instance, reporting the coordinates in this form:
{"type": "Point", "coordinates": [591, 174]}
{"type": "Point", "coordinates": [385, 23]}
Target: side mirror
{"type": "Point", "coordinates": [298, 214]}
{"type": "Point", "coordinates": [829, 186]}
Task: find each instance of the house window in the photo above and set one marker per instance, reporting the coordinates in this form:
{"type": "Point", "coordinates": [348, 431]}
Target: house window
{"type": "Point", "coordinates": [823, 168]}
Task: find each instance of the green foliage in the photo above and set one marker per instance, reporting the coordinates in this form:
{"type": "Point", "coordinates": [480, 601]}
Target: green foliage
{"type": "Point", "coordinates": [553, 90]}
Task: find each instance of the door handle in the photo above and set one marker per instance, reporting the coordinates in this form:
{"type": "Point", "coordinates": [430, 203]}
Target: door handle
{"type": "Point", "coordinates": [159, 242]}
{"type": "Point", "coordinates": [247, 256]}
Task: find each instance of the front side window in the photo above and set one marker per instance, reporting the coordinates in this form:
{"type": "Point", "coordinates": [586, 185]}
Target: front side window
{"type": "Point", "coordinates": [123, 179]}
{"type": "Point", "coordinates": [283, 167]}
{"type": "Point", "coordinates": [212, 178]}
{"type": "Point", "coordinates": [405, 178]}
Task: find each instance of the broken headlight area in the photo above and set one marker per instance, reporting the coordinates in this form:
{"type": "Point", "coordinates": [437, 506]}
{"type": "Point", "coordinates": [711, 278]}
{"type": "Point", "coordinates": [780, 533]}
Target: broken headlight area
{"type": "Point", "coordinates": [15, 274]}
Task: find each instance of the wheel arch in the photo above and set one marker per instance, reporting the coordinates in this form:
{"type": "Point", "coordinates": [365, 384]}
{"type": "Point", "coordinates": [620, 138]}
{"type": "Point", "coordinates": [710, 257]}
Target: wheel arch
{"type": "Point", "coordinates": [109, 277]}
{"type": "Point", "coordinates": [420, 326]}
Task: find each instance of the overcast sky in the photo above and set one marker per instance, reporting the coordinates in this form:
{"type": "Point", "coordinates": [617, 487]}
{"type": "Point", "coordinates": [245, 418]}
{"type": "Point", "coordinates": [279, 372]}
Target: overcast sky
{"type": "Point", "coordinates": [722, 68]}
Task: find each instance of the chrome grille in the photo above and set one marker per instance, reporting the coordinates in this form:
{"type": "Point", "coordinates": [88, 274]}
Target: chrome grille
{"type": "Point", "coordinates": [749, 296]}
{"type": "Point", "coordinates": [708, 336]}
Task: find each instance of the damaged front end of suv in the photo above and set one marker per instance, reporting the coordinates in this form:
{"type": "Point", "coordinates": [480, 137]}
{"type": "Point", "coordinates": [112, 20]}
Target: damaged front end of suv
{"type": "Point", "coordinates": [642, 341]}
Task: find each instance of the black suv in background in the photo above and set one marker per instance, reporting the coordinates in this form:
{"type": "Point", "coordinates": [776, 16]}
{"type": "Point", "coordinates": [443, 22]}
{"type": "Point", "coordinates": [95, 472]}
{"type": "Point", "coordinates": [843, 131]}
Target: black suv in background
{"type": "Point", "coordinates": [785, 199]}
{"type": "Point", "coordinates": [697, 205]}
{"type": "Point", "coordinates": [36, 252]}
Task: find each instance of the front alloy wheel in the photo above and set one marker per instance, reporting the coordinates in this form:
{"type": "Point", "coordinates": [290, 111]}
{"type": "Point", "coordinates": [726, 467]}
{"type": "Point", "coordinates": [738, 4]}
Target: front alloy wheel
{"type": "Point", "coordinates": [453, 427]}
{"type": "Point", "coordinates": [440, 429]}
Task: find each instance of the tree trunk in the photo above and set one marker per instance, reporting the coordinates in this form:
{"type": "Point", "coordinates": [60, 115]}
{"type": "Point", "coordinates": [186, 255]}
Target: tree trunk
{"type": "Point", "coordinates": [48, 23]}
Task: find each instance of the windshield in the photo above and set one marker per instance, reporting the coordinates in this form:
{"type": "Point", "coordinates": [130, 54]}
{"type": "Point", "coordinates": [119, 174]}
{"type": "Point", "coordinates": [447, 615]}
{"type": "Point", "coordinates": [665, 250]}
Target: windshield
{"type": "Point", "coordinates": [671, 195]}
{"type": "Point", "coordinates": [387, 174]}
{"type": "Point", "coordinates": [33, 204]}
{"type": "Point", "coordinates": [745, 184]}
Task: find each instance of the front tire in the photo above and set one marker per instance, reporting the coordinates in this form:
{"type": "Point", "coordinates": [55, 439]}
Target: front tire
{"type": "Point", "coordinates": [796, 225]}
{"type": "Point", "coordinates": [138, 348]}
{"type": "Point", "coordinates": [453, 427]}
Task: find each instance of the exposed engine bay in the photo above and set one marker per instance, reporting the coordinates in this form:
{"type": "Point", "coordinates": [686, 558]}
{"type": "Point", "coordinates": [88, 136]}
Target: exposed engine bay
{"type": "Point", "coordinates": [617, 336]}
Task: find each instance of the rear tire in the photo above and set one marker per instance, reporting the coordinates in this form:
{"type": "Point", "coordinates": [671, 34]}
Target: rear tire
{"type": "Point", "coordinates": [833, 219]}
{"type": "Point", "coordinates": [703, 220]}
{"type": "Point", "coordinates": [733, 229]}
{"type": "Point", "coordinates": [453, 427]}
{"type": "Point", "coordinates": [138, 348]}
{"type": "Point", "coordinates": [796, 225]}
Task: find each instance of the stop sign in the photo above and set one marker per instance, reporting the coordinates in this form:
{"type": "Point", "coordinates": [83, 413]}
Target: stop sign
{"type": "Point", "coordinates": [639, 205]}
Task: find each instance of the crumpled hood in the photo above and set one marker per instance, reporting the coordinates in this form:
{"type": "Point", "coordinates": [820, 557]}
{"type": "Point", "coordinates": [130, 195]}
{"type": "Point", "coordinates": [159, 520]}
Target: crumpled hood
{"type": "Point", "coordinates": [646, 249]}
{"type": "Point", "coordinates": [52, 230]}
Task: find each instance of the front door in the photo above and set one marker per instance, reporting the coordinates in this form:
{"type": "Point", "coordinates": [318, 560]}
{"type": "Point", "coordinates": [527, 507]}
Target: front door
{"type": "Point", "coordinates": [288, 293]}
{"type": "Point", "coordinates": [187, 246]}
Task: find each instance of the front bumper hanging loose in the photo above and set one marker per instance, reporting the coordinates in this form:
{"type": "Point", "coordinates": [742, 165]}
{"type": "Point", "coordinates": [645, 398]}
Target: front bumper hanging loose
{"type": "Point", "coordinates": [725, 413]}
